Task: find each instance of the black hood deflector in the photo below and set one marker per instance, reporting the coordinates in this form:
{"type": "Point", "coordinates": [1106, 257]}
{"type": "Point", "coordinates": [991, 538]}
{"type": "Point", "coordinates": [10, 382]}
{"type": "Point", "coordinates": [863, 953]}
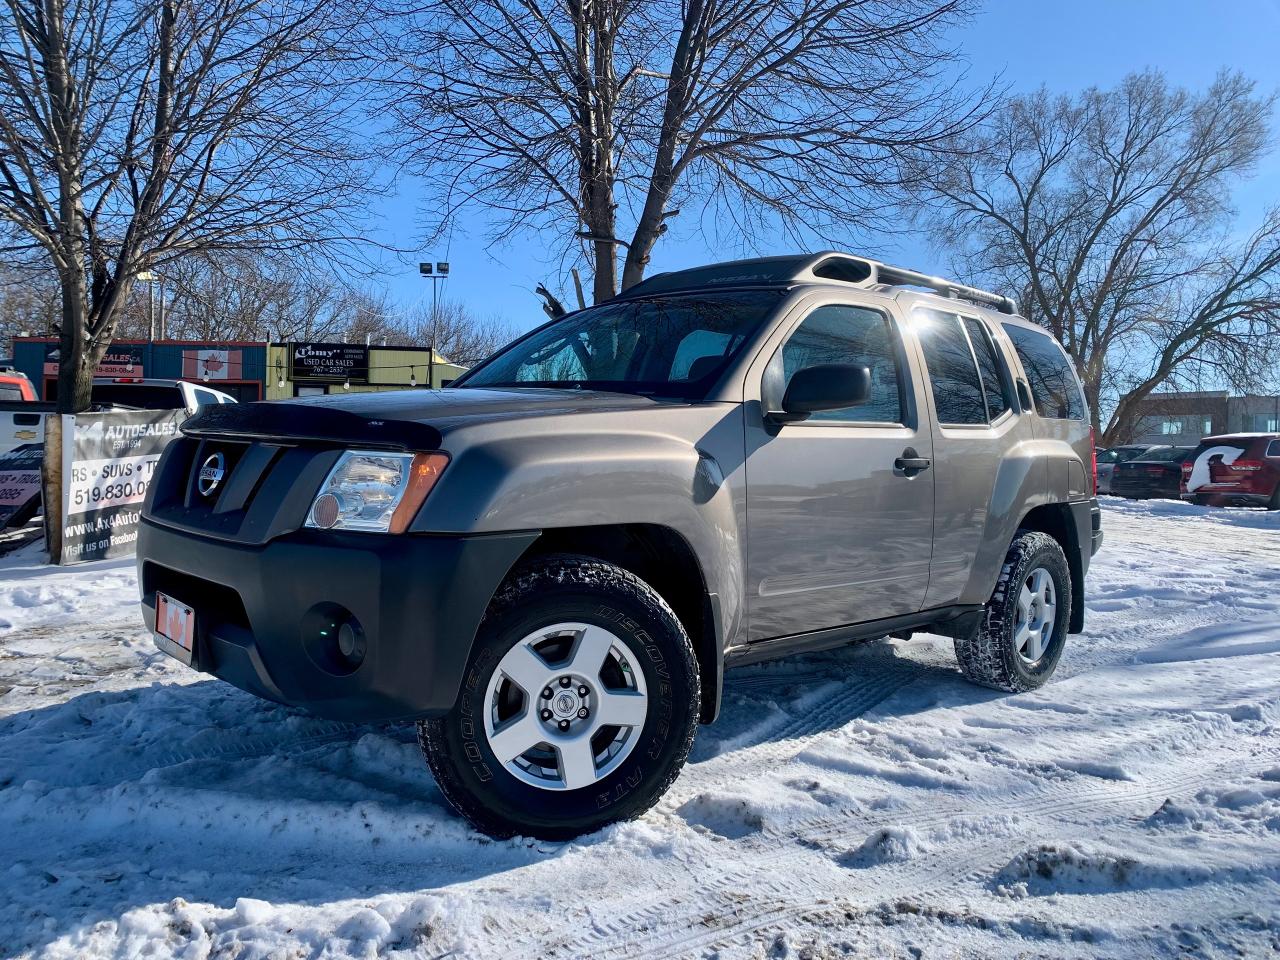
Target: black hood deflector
{"type": "Point", "coordinates": [300, 423]}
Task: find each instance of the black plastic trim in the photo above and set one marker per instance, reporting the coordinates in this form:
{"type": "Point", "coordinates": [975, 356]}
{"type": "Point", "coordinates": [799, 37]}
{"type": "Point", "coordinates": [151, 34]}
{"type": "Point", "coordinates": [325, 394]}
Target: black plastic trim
{"type": "Point", "coordinates": [948, 619]}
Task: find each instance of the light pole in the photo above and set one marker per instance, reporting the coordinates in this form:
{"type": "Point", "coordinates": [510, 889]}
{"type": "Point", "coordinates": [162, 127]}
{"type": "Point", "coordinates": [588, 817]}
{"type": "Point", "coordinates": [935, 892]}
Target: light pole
{"type": "Point", "coordinates": [151, 278]}
{"type": "Point", "coordinates": [439, 273]}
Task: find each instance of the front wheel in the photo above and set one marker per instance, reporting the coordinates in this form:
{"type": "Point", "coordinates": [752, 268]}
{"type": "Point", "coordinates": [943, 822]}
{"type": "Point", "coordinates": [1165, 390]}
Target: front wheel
{"type": "Point", "coordinates": [578, 707]}
{"type": "Point", "coordinates": [1019, 640]}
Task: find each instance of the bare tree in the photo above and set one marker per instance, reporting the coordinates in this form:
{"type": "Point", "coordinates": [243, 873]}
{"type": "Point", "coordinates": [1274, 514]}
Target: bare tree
{"type": "Point", "coordinates": [594, 122]}
{"type": "Point", "coordinates": [134, 131]}
{"type": "Point", "coordinates": [457, 333]}
{"type": "Point", "coordinates": [1109, 215]}
{"type": "Point", "coordinates": [29, 303]}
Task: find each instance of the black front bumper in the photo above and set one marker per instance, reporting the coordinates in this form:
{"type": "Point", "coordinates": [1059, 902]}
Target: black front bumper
{"type": "Point", "coordinates": [418, 601]}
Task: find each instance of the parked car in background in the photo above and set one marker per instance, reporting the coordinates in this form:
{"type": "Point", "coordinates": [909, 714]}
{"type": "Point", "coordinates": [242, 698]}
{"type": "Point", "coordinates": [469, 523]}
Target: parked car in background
{"type": "Point", "coordinates": [1234, 470]}
{"type": "Point", "coordinates": [1156, 472]}
{"type": "Point", "coordinates": [15, 387]}
{"type": "Point", "coordinates": [1108, 458]}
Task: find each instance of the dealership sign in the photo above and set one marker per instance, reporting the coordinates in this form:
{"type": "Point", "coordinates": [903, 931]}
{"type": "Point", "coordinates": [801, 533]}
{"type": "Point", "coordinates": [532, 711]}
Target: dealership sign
{"type": "Point", "coordinates": [329, 361]}
{"type": "Point", "coordinates": [120, 360]}
{"type": "Point", "coordinates": [20, 481]}
{"type": "Point", "coordinates": [107, 463]}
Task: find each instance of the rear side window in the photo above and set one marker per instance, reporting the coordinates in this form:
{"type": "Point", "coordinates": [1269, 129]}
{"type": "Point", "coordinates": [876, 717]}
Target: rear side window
{"type": "Point", "coordinates": [995, 378]}
{"type": "Point", "coordinates": [838, 333]}
{"type": "Point", "coordinates": [1273, 448]}
{"type": "Point", "coordinates": [1053, 383]}
{"type": "Point", "coordinates": [958, 393]}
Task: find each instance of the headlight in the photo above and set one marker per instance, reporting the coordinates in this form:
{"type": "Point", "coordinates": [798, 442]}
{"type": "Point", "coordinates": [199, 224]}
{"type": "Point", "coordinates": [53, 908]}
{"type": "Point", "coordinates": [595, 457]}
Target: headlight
{"type": "Point", "coordinates": [373, 491]}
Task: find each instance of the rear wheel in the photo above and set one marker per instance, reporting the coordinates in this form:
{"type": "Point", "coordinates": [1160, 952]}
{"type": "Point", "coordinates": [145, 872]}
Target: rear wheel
{"type": "Point", "coordinates": [578, 707]}
{"type": "Point", "coordinates": [1274, 502]}
{"type": "Point", "coordinates": [1019, 640]}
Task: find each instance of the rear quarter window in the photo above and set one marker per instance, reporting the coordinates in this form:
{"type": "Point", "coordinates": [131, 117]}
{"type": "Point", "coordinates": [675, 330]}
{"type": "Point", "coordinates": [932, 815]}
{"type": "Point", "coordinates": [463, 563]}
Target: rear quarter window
{"type": "Point", "coordinates": [1053, 383]}
{"type": "Point", "coordinates": [1273, 448]}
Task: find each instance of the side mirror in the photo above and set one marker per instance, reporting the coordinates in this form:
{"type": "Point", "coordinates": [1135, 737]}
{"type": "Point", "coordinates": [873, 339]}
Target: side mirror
{"type": "Point", "coordinates": [826, 386]}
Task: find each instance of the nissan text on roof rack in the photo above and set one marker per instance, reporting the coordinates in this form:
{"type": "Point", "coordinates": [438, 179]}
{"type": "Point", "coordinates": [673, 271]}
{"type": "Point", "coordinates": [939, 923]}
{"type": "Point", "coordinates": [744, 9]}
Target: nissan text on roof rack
{"type": "Point", "coordinates": [551, 564]}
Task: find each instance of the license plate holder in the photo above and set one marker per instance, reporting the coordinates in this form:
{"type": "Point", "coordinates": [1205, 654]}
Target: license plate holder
{"type": "Point", "coordinates": [175, 631]}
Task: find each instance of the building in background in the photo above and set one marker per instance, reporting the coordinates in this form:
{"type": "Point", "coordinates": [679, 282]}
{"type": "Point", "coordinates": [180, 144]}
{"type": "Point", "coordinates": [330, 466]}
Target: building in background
{"type": "Point", "coordinates": [1185, 417]}
{"type": "Point", "coordinates": [250, 370]}
{"type": "Point", "coordinates": [306, 369]}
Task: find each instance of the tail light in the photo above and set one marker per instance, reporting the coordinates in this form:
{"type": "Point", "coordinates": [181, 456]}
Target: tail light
{"type": "Point", "coordinates": [1093, 459]}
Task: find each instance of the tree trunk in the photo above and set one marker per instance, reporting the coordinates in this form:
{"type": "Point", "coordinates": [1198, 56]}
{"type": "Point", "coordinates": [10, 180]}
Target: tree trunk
{"type": "Point", "coordinates": [652, 222]}
{"type": "Point", "coordinates": [75, 366]}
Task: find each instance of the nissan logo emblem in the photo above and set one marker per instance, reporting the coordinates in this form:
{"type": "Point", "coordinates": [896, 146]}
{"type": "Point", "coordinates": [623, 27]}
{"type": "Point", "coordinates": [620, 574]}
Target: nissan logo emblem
{"type": "Point", "coordinates": [211, 473]}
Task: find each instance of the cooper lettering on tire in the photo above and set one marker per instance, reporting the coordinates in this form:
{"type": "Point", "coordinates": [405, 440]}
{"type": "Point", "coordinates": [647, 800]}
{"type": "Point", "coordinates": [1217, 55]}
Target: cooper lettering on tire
{"type": "Point", "coordinates": [580, 705]}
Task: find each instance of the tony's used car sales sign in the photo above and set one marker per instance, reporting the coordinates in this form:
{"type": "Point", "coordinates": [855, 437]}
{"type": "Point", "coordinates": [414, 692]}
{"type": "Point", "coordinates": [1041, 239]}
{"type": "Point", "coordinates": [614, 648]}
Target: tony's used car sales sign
{"type": "Point", "coordinates": [107, 463]}
{"type": "Point", "coordinates": [329, 362]}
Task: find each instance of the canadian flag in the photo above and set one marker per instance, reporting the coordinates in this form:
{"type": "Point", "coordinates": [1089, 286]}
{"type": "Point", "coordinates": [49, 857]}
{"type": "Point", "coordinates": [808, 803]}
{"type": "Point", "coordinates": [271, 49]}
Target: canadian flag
{"type": "Point", "coordinates": [210, 364]}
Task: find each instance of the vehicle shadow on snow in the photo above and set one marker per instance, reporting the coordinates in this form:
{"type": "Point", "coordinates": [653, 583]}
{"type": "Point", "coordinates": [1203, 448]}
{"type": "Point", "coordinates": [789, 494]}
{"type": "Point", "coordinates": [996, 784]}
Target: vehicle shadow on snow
{"type": "Point", "coordinates": [115, 800]}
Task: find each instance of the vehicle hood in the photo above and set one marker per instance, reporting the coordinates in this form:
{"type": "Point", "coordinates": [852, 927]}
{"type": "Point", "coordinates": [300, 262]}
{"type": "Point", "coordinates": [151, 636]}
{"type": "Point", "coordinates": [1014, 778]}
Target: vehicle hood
{"type": "Point", "coordinates": [402, 419]}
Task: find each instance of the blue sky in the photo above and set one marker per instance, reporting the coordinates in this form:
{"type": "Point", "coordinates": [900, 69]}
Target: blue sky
{"type": "Point", "coordinates": [1065, 46]}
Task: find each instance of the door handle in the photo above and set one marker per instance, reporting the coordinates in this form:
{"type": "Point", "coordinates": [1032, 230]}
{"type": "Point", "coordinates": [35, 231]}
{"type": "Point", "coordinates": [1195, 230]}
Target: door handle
{"type": "Point", "coordinates": [911, 463]}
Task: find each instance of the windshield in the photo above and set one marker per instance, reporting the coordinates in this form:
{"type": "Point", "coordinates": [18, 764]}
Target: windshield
{"type": "Point", "coordinates": [673, 346]}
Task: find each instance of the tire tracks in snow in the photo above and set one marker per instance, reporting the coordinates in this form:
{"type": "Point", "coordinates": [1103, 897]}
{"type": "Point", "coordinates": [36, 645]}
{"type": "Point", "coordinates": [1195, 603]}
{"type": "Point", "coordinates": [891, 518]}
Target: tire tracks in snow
{"type": "Point", "coordinates": [718, 913]}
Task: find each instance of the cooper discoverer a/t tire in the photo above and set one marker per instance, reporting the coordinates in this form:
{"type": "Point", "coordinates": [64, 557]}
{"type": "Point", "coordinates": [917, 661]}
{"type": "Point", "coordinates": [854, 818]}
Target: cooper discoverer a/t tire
{"type": "Point", "coordinates": [1019, 640]}
{"type": "Point", "coordinates": [578, 706]}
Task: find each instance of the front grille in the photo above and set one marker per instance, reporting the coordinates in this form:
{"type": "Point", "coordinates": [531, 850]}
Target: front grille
{"type": "Point", "coordinates": [212, 468]}
{"type": "Point", "coordinates": [264, 491]}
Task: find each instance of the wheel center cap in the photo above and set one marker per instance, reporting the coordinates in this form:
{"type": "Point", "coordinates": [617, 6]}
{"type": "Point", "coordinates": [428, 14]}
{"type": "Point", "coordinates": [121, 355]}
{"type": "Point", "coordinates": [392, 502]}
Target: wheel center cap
{"type": "Point", "coordinates": [565, 704]}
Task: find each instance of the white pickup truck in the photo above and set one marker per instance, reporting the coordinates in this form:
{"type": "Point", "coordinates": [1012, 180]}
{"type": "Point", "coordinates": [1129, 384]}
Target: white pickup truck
{"type": "Point", "coordinates": [23, 421]}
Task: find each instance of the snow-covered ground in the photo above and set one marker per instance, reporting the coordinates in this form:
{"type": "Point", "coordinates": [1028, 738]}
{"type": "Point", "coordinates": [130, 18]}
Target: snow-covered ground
{"type": "Point", "coordinates": [864, 802]}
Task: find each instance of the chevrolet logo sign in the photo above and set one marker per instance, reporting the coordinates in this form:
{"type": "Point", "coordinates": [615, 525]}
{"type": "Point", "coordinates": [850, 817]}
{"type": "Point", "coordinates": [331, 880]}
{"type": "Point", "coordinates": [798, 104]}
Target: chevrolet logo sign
{"type": "Point", "coordinates": [24, 434]}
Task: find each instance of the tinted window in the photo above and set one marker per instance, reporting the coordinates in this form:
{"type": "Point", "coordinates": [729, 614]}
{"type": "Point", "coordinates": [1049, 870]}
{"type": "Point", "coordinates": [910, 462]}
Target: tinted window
{"type": "Point", "coordinates": [1165, 455]}
{"type": "Point", "coordinates": [140, 396]}
{"type": "Point", "coordinates": [1273, 448]}
{"type": "Point", "coordinates": [957, 389]}
{"type": "Point", "coordinates": [1053, 383]}
{"type": "Point", "coordinates": [843, 334]}
{"type": "Point", "coordinates": [10, 392]}
{"type": "Point", "coordinates": [995, 380]}
{"type": "Point", "coordinates": [673, 346]}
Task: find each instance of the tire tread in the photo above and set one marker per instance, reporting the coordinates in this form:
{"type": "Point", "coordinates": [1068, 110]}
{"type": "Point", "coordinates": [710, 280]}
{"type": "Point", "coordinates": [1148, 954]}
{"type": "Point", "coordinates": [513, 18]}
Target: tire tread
{"type": "Point", "coordinates": [524, 583]}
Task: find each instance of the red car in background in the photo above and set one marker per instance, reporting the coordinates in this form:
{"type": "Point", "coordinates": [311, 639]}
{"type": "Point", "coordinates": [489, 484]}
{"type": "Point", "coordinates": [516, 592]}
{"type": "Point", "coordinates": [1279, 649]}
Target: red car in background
{"type": "Point", "coordinates": [1234, 470]}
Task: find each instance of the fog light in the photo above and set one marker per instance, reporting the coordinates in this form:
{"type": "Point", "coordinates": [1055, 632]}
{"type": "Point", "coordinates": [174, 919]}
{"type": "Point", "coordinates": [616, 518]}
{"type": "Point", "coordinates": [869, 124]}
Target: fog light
{"type": "Point", "coordinates": [333, 639]}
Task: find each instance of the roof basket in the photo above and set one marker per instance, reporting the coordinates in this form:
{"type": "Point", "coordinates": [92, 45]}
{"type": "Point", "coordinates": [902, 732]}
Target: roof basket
{"type": "Point", "coordinates": [797, 268]}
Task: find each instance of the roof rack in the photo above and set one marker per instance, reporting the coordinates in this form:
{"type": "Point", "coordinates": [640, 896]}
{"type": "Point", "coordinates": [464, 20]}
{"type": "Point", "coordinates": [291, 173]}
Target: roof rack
{"type": "Point", "coordinates": [827, 266]}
